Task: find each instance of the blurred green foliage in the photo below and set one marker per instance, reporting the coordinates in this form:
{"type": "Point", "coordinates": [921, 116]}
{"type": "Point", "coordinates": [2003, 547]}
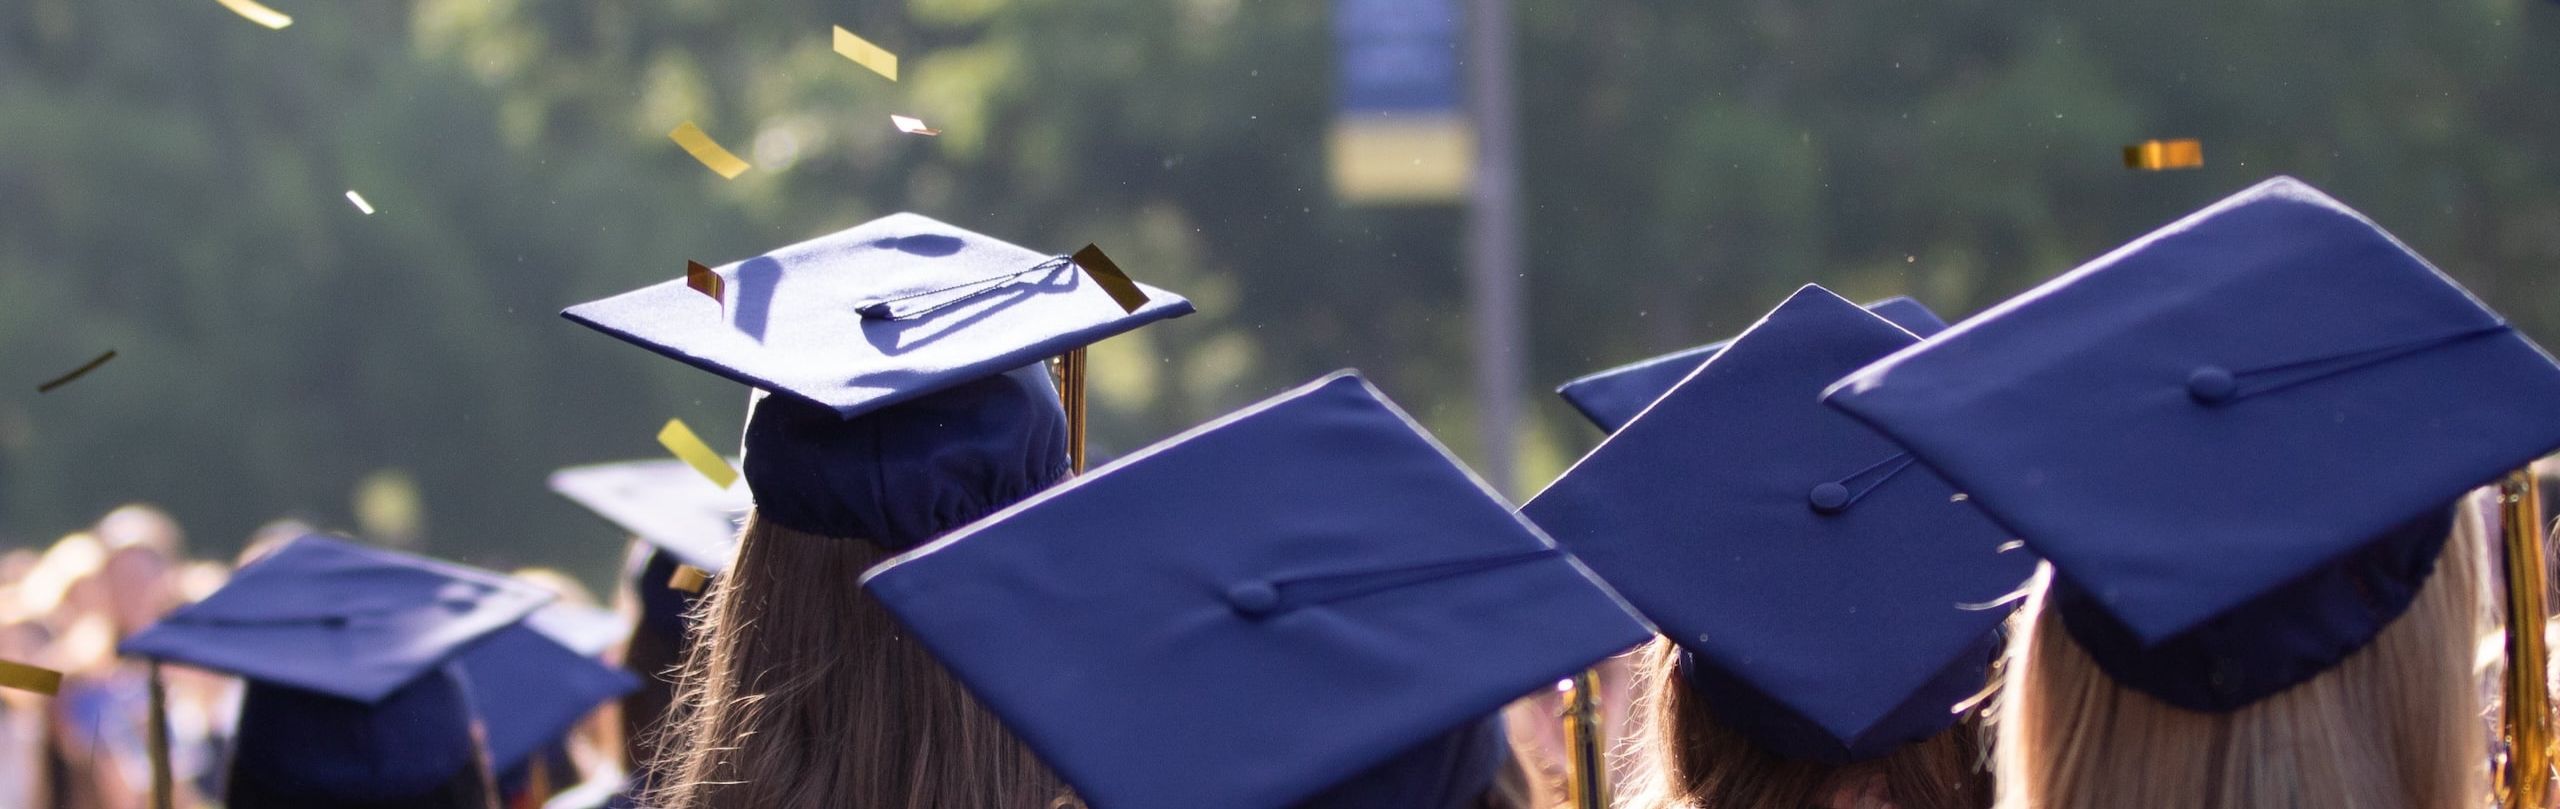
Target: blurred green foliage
{"type": "Point", "coordinates": [172, 179]}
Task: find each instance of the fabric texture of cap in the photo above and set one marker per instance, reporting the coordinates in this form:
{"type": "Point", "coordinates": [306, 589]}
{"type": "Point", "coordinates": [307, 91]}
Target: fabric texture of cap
{"type": "Point", "coordinates": [1840, 597]}
{"type": "Point", "coordinates": [531, 687]}
{"type": "Point", "coordinates": [905, 473]}
{"type": "Point", "coordinates": [330, 616]}
{"type": "Point", "coordinates": [2237, 439]}
{"type": "Point", "coordinates": [1613, 397]}
{"type": "Point", "coordinates": [304, 748]}
{"type": "Point", "coordinates": [1453, 770]}
{"type": "Point", "coordinates": [1267, 605]}
{"type": "Point", "coordinates": [663, 502]}
{"type": "Point", "coordinates": [880, 313]}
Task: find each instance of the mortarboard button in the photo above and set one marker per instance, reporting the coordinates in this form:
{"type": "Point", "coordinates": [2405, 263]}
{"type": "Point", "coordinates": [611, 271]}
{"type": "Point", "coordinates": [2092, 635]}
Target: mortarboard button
{"type": "Point", "coordinates": [1255, 599]}
{"type": "Point", "coordinates": [2212, 385]}
{"type": "Point", "coordinates": [1829, 497]}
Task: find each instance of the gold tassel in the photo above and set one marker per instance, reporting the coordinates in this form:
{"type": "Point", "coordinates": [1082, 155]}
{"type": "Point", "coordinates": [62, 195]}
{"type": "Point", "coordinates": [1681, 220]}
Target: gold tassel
{"type": "Point", "coordinates": [1584, 741]}
{"type": "Point", "coordinates": [2525, 781]}
{"type": "Point", "coordinates": [1071, 391]}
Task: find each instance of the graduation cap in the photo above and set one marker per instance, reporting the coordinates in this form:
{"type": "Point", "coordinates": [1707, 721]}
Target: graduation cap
{"type": "Point", "coordinates": [902, 358]}
{"type": "Point", "coordinates": [346, 650]}
{"type": "Point", "coordinates": [1613, 397]}
{"type": "Point", "coordinates": [534, 681]}
{"type": "Point", "coordinates": [664, 503]}
{"type": "Point", "coordinates": [1825, 589]}
{"type": "Point", "coordinates": [1267, 605]}
{"type": "Point", "coordinates": [885, 311]}
{"type": "Point", "coordinates": [2237, 439]}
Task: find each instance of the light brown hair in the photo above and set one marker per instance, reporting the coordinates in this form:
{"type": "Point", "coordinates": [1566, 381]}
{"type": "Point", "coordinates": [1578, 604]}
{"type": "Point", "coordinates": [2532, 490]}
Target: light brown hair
{"type": "Point", "coordinates": [2396, 725]}
{"type": "Point", "coordinates": [801, 691]}
{"type": "Point", "coordinates": [1688, 759]}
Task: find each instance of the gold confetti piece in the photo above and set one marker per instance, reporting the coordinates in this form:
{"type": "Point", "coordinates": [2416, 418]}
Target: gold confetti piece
{"type": "Point", "coordinates": [30, 678]}
{"type": "Point", "coordinates": [259, 14]}
{"type": "Point", "coordinates": [863, 53]}
{"type": "Point", "coordinates": [2164, 155]}
{"type": "Point", "coordinates": [1123, 291]}
{"type": "Point", "coordinates": [65, 379]}
{"type": "Point", "coordinates": [703, 280]}
{"type": "Point", "coordinates": [913, 126]}
{"type": "Point", "coordinates": [689, 578]}
{"type": "Point", "coordinates": [361, 205]}
{"type": "Point", "coordinates": [703, 148]}
{"type": "Point", "coordinates": [679, 439]}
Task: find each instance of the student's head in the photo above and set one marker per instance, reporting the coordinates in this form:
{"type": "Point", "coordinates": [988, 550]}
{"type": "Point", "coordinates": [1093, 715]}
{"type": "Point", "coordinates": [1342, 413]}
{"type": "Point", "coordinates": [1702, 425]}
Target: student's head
{"type": "Point", "coordinates": [2394, 724]}
{"type": "Point", "coordinates": [354, 697]}
{"type": "Point", "coordinates": [414, 749]}
{"type": "Point", "coordinates": [801, 689]}
{"type": "Point", "coordinates": [2241, 445]}
{"type": "Point", "coordinates": [1828, 606]}
{"type": "Point", "coordinates": [1689, 758]}
{"type": "Point", "coordinates": [902, 393]}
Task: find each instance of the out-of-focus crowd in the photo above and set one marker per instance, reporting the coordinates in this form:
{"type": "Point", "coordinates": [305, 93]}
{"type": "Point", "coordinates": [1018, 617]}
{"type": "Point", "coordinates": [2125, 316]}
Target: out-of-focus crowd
{"type": "Point", "coordinates": [66, 608]}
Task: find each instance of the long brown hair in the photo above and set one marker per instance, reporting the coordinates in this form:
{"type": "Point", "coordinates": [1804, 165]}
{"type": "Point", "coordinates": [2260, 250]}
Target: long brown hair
{"type": "Point", "coordinates": [1688, 759]}
{"type": "Point", "coordinates": [2396, 725]}
{"type": "Point", "coordinates": [801, 691]}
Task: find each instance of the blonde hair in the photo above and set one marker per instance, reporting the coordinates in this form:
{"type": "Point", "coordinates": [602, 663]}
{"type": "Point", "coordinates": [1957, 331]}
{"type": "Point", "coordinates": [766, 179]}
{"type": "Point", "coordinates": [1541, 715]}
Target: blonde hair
{"type": "Point", "coordinates": [801, 691]}
{"type": "Point", "coordinates": [1688, 759]}
{"type": "Point", "coordinates": [2396, 725]}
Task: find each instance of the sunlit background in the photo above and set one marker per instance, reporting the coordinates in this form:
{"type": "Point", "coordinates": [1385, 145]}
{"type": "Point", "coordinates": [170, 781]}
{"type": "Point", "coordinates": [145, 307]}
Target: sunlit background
{"type": "Point", "coordinates": [173, 178]}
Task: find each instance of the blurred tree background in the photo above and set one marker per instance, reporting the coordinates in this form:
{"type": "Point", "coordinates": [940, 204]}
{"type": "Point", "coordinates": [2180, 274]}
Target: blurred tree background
{"type": "Point", "coordinates": [172, 180]}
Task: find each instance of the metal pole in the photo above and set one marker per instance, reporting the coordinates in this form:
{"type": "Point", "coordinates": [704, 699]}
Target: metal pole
{"type": "Point", "coordinates": [1495, 247]}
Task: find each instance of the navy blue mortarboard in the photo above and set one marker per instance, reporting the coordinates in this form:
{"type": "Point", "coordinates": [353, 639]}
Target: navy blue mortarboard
{"type": "Point", "coordinates": [1268, 605]}
{"type": "Point", "coordinates": [903, 358]}
{"type": "Point", "coordinates": [534, 681]}
{"type": "Point", "coordinates": [1613, 397]}
{"type": "Point", "coordinates": [1453, 770]}
{"type": "Point", "coordinates": [665, 503]}
{"type": "Point", "coordinates": [326, 615]}
{"type": "Point", "coordinates": [2238, 439]}
{"type": "Point", "coordinates": [346, 649]}
{"type": "Point", "coordinates": [1828, 593]}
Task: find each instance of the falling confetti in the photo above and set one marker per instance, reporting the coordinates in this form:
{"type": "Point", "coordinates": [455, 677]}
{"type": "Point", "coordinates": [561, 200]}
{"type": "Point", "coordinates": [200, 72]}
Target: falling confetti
{"type": "Point", "coordinates": [703, 280]}
{"type": "Point", "coordinates": [1123, 291]}
{"type": "Point", "coordinates": [259, 14]}
{"type": "Point", "coordinates": [361, 205]}
{"type": "Point", "coordinates": [679, 439]}
{"type": "Point", "coordinates": [863, 53]}
{"type": "Point", "coordinates": [76, 373]}
{"type": "Point", "coordinates": [703, 148]}
{"type": "Point", "coordinates": [913, 126]}
{"type": "Point", "coordinates": [30, 678]}
{"type": "Point", "coordinates": [2164, 155]}
{"type": "Point", "coordinates": [689, 578]}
